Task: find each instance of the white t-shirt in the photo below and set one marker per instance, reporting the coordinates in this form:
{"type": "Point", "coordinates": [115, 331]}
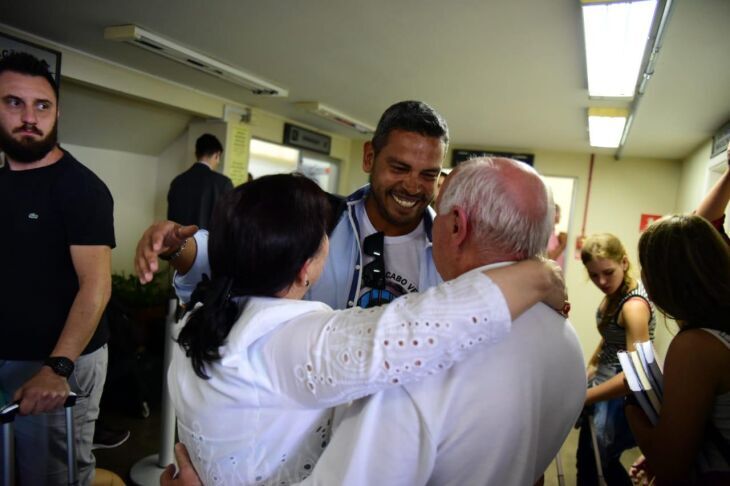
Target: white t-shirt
{"type": "Point", "coordinates": [402, 268]}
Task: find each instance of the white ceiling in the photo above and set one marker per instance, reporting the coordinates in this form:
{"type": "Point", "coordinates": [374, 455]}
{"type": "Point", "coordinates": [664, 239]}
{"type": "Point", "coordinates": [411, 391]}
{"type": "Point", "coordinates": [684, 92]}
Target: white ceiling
{"type": "Point", "coordinates": [505, 73]}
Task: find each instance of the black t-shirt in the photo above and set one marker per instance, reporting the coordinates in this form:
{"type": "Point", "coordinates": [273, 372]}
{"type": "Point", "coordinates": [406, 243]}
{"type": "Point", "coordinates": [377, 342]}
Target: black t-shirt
{"type": "Point", "coordinates": [42, 213]}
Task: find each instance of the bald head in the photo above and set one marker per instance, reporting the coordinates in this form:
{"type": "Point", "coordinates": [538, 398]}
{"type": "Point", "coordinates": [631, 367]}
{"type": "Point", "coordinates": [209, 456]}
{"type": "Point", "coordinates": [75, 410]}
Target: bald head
{"type": "Point", "coordinates": [510, 211]}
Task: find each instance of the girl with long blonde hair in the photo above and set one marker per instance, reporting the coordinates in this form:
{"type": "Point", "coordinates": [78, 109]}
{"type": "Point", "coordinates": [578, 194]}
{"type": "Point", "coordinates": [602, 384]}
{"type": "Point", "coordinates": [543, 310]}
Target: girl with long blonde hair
{"type": "Point", "coordinates": [624, 316]}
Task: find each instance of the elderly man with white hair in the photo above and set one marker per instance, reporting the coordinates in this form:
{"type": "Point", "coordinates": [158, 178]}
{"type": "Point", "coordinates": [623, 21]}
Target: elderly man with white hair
{"type": "Point", "coordinates": [495, 418]}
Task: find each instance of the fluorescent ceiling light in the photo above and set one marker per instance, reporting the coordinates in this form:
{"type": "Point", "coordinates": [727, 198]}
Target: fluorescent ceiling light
{"type": "Point", "coordinates": [616, 34]}
{"type": "Point", "coordinates": [334, 115]}
{"type": "Point", "coordinates": [605, 126]}
{"type": "Point", "coordinates": [164, 47]}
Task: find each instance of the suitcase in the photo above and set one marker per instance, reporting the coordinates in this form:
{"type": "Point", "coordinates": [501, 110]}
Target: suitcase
{"type": "Point", "coordinates": [7, 416]}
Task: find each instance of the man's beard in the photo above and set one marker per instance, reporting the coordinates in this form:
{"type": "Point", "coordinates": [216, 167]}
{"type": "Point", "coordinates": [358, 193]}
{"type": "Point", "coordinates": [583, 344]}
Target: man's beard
{"type": "Point", "coordinates": [27, 150]}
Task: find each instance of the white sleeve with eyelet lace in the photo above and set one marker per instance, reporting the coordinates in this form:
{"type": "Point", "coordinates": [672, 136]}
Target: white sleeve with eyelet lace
{"type": "Point", "coordinates": [326, 358]}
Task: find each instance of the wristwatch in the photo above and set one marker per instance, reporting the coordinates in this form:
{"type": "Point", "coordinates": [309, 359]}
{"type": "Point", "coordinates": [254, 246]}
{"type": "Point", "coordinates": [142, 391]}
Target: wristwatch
{"type": "Point", "coordinates": [60, 365]}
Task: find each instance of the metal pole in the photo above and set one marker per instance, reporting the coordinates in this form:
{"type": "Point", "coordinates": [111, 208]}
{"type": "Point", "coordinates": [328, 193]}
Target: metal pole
{"type": "Point", "coordinates": [8, 479]}
{"type": "Point", "coordinates": [147, 470]}
{"type": "Point", "coordinates": [167, 437]}
{"type": "Point", "coordinates": [73, 467]}
{"type": "Point", "coordinates": [7, 415]}
{"type": "Point", "coordinates": [596, 453]}
{"type": "Point", "coordinates": [559, 467]}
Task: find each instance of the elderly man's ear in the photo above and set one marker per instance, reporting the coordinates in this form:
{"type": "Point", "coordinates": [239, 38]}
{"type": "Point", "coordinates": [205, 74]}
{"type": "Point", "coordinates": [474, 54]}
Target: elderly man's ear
{"type": "Point", "coordinates": [459, 224]}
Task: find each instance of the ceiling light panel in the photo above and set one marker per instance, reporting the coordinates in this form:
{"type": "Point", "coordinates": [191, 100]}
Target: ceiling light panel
{"type": "Point", "coordinates": [605, 126]}
{"type": "Point", "coordinates": [616, 34]}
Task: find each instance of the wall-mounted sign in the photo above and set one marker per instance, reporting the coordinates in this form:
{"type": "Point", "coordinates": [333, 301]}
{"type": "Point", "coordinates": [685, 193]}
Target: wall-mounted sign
{"type": "Point", "coordinates": [302, 138]}
{"type": "Point", "coordinates": [238, 140]}
{"type": "Point", "coordinates": [720, 140]}
{"type": "Point", "coordinates": [647, 219]}
{"type": "Point", "coordinates": [460, 155]}
{"type": "Point", "coordinates": [52, 59]}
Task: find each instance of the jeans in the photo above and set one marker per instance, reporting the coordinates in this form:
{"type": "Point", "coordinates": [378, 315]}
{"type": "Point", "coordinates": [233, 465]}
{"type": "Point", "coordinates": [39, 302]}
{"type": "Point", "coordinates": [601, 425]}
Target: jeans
{"type": "Point", "coordinates": [40, 440]}
{"type": "Point", "coordinates": [613, 437]}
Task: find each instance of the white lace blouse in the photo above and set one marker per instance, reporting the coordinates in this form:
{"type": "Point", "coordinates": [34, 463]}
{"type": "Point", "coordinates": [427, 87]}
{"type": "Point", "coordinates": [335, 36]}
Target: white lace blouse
{"type": "Point", "coordinates": [264, 415]}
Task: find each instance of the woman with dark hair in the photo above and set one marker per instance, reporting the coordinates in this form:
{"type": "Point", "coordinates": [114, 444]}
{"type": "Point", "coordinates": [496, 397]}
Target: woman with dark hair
{"type": "Point", "coordinates": [257, 367]}
{"type": "Point", "coordinates": [685, 266]}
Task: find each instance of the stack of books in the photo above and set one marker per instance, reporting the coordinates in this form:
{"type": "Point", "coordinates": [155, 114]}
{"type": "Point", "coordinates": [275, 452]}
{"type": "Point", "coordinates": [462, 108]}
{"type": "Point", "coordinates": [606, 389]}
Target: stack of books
{"type": "Point", "coordinates": [644, 375]}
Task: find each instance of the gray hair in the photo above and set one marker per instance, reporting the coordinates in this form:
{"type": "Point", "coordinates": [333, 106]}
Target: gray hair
{"type": "Point", "coordinates": [502, 218]}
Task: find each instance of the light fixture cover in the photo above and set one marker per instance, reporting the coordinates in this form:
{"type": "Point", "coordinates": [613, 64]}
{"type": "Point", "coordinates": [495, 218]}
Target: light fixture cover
{"type": "Point", "coordinates": [331, 114]}
{"type": "Point", "coordinates": [605, 126]}
{"type": "Point", "coordinates": [165, 47]}
{"type": "Point", "coordinates": [616, 33]}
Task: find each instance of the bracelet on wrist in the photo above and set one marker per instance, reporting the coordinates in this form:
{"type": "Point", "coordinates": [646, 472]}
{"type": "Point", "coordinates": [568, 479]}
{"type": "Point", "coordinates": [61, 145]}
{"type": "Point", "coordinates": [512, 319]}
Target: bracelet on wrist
{"type": "Point", "coordinates": [172, 256]}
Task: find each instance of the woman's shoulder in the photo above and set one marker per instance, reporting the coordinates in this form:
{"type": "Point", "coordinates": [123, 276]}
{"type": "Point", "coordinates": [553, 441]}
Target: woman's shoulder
{"type": "Point", "coordinates": [701, 348]}
{"type": "Point", "coordinates": [262, 315]}
{"type": "Point", "coordinates": [635, 309]}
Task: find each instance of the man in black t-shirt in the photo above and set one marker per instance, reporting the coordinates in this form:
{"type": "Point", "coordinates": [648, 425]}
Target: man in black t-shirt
{"type": "Point", "coordinates": [58, 232]}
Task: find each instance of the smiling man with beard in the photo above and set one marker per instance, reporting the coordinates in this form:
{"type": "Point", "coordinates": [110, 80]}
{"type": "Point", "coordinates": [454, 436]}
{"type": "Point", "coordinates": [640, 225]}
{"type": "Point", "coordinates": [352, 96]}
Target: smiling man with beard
{"type": "Point", "coordinates": [380, 247]}
{"type": "Point", "coordinates": [56, 253]}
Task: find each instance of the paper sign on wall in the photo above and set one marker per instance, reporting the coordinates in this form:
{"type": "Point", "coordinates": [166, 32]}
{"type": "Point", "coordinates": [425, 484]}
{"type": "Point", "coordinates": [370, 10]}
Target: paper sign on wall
{"type": "Point", "coordinates": [647, 219]}
{"type": "Point", "coordinates": [237, 144]}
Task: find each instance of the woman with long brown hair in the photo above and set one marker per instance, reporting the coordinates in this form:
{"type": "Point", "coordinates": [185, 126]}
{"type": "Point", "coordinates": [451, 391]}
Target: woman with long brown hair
{"type": "Point", "coordinates": [686, 269]}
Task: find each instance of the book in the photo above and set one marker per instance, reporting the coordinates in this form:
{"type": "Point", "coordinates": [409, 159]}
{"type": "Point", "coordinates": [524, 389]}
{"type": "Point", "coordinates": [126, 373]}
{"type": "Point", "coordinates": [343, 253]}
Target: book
{"type": "Point", "coordinates": [652, 366]}
{"type": "Point", "coordinates": [643, 373]}
{"type": "Point", "coordinates": [635, 386]}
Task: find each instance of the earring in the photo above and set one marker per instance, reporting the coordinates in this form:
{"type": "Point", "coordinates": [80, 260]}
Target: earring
{"type": "Point", "coordinates": [306, 283]}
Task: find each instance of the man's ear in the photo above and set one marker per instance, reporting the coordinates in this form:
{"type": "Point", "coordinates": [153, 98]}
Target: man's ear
{"type": "Point", "coordinates": [459, 222]}
{"type": "Point", "coordinates": [368, 157]}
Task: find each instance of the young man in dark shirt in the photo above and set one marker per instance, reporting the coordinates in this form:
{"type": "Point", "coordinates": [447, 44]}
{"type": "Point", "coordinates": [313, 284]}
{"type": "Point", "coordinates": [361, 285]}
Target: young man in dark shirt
{"type": "Point", "coordinates": [57, 218]}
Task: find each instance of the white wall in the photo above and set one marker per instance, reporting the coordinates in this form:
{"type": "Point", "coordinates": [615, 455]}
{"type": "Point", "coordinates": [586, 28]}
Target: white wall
{"type": "Point", "coordinates": [171, 162]}
{"type": "Point", "coordinates": [131, 179]}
